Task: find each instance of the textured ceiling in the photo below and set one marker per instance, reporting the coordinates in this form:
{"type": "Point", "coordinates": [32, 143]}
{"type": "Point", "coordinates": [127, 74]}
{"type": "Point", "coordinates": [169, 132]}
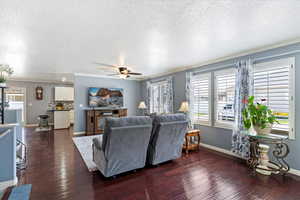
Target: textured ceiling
{"type": "Point", "coordinates": [42, 38]}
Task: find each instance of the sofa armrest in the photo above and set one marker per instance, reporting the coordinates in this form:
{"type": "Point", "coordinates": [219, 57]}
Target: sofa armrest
{"type": "Point", "coordinates": [98, 143]}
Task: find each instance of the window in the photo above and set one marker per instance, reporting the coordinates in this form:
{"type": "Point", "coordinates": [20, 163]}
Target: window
{"type": "Point", "coordinates": [224, 97]}
{"type": "Point", "coordinates": [274, 86]}
{"type": "Point", "coordinates": [159, 97]}
{"type": "Point", "coordinates": [200, 99]}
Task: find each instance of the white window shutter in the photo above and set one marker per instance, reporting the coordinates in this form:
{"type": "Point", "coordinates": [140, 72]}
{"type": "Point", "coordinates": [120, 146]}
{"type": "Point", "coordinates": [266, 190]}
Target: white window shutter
{"type": "Point", "coordinates": [274, 86]}
{"type": "Point", "coordinates": [200, 99]}
{"type": "Point", "coordinates": [224, 97]}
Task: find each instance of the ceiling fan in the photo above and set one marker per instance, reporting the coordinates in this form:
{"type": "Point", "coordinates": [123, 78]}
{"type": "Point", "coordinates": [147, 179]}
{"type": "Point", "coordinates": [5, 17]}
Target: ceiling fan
{"type": "Point", "coordinates": [121, 71]}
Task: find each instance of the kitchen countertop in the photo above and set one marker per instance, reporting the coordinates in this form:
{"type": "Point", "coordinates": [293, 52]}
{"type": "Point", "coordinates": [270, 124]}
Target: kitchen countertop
{"type": "Point", "coordinates": [104, 108]}
{"type": "Point", "coordinates": [59, 110]}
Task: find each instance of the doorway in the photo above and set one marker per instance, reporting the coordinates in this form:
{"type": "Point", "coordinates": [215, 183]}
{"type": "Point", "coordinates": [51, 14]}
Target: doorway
{"type": "Point", "coordinates": [16, 99]}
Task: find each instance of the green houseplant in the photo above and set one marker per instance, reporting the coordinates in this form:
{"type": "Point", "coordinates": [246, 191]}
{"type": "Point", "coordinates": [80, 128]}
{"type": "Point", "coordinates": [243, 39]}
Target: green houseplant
{"type": "Point", "coordinates": [5, 72]}
{"type": "Point", "coordinates": [258, 116]}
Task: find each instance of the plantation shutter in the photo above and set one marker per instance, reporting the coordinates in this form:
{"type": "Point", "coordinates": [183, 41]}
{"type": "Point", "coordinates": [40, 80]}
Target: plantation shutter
{"type": "Point", "coordinates": [159, 98]}
{"type": "Point", "coordinates": [224, 96]}
{"type": "Point", "coordinates": [272, 86]}
{"type": "Point", "coordinates": [200, 98]}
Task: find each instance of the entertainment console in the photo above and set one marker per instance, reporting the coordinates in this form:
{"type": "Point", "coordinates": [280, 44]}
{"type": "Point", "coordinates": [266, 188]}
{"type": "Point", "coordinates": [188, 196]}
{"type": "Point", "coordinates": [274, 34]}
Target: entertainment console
{"type": "Point", "coordinates": [95, 118]}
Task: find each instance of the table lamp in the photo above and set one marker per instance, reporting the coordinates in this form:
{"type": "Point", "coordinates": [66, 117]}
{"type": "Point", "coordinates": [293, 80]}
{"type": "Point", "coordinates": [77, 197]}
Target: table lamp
{"type": "Point", "coordinates": [142, 106]}
{"type": "Point", "coordinates": [184, 107]}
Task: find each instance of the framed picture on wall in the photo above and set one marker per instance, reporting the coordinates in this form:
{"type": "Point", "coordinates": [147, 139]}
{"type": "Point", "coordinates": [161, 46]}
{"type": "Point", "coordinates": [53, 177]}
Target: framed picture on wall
{"type": "Point", "coordinates": [39, 93]}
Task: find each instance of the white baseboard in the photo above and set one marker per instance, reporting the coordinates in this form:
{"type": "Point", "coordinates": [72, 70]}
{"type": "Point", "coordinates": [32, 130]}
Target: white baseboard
{"type": "Point", "coordinates": [6, 184]}
{"type": "Point", "coordinates": [227, 152]}
{"type": "Point", "coordinates": [295, 172]}
{"type": "Point", "coordinates": [221, 150]}
{"type": "Point", "coordinates": [79, 133]}
{"type": "Point", "coordinates": [31, 125]}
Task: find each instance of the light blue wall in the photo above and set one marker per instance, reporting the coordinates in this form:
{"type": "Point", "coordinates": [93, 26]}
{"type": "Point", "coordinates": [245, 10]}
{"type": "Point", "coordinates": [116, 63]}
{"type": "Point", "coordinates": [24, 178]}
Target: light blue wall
{"type": "Point", "coordinates": [81, 85]}
{"type": "Point", "coordinates": [14, 116]}
{"type": "Point", "coordinates": [8, 144]}
{"type": "Point", "coordinates": [8, 155]}
{"type": "Point", "coordinates": [222, 137]}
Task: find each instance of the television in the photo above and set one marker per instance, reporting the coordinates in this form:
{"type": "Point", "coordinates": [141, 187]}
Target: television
{"type": "Point", "coordinates": [105, 97]}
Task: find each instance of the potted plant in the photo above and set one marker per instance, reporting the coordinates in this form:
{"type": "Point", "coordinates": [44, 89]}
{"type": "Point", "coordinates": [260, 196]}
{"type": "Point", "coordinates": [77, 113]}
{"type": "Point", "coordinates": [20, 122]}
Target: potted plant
{"type": "Point", "coordinates": [5, 72]}
{"type": "Point", "coordinates": [258, 116]}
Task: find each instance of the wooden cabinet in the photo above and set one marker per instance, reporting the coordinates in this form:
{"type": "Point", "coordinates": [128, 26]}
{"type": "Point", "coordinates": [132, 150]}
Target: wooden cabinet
{"type": "Point", "coordinates": [64, 94]}
{"type": "Point", "coordinates": [95, 119]}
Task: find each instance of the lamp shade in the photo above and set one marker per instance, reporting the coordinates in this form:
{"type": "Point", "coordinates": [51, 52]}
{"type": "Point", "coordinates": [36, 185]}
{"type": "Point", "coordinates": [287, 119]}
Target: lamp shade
{"type": "Point", "coordinates": [142, 105]}
{"type": "Point", "coordinates": [184, 107]}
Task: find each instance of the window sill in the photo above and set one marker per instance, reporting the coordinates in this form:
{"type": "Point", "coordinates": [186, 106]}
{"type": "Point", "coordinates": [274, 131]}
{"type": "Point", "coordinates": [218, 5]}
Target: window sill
{"type": "Point", "coordinates": [230, 127]}
{"type": "Point", "coordinates": [223, 126]}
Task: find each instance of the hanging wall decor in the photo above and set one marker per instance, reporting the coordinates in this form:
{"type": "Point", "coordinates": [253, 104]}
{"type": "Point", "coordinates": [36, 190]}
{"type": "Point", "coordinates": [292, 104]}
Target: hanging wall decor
{"type": "Point", "coordinates": [39, 93]}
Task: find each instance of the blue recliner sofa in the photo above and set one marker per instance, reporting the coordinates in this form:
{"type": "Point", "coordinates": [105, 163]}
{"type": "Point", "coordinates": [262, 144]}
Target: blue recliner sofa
{"type": "Point", "coordinates": [167, 138]}
{"type": "Point", "coordinates": [123, 146]}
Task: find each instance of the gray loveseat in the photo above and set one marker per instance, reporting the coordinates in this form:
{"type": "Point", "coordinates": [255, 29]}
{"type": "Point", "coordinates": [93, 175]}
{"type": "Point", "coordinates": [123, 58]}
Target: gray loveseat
{"type": "Point", "coordinates": [124, 145]}
{"type": "Point", "coordinates": [167, 138]}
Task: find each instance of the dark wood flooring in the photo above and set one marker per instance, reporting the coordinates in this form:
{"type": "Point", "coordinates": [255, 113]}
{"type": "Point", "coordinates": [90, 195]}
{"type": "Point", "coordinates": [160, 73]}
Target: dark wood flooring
{"type": "Point", "coordinates": [56, 171]}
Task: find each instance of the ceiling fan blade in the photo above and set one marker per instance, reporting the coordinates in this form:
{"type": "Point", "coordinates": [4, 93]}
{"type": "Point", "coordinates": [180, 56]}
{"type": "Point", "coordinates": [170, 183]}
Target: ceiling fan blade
{"type": "Point", "coordinates": [135, 73]}
{"type": "Point", "coordinates": [105, 68]}
{"type": "Point", "coordinates": [106, 65]}
{"type": "Point", "coordinates": [112, 74]}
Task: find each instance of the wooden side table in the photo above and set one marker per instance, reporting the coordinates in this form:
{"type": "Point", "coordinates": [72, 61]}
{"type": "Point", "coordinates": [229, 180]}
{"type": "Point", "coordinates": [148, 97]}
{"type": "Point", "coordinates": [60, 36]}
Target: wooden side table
{"type": "Point", "coordinates": [192, 140]}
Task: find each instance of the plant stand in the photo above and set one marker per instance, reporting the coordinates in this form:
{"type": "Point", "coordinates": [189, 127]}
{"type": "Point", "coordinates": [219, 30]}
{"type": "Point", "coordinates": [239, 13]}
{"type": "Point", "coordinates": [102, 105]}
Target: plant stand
{"type": "Point", "coordinates": [259, 160]}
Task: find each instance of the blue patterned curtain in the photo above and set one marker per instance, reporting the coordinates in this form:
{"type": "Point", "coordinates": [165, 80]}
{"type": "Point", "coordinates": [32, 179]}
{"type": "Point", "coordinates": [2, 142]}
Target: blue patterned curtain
{"type": "Point", "coordinates": [243, 89]}
{"type": "Point", "coordinates": [188, 96]}
{"type": "Point", "coordinates": [148, 96]}
{"type": "Point", "coordinates": [168, 98]}
{"type": "Point", "coordinates": [170, 95]}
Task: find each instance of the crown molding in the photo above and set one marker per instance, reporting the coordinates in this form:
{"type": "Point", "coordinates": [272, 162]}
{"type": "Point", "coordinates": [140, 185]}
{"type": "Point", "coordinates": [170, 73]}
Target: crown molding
{"type": "Point", "coordinates": [228, 57]}
{"type": "Point", "coordinates": [40, 81]}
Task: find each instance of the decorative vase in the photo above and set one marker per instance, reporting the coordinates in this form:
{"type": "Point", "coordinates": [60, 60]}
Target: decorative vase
{"type": "Point", "coordinates": [3, 84]}
{"type": "Point", "coordinates": [263, 131]}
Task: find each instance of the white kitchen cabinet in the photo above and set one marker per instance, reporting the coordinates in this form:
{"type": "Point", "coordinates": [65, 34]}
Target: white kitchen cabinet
{"type": "Point", "coordinates": [64, 94]}
{"type": "Point", "coordinates": [61, 119]}
{"type": "Point", "coordinates": [71, 116]}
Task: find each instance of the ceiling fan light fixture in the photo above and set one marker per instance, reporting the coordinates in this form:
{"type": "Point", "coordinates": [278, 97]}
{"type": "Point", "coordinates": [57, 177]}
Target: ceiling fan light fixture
{"type": "Point", "coordinates": [123, 76]}
{"type": "Point", "coordinates": [123, 71]}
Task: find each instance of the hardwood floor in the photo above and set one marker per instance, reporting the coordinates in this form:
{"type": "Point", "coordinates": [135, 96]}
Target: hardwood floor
{"type": "Point", "coordinates": [56, 171]}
